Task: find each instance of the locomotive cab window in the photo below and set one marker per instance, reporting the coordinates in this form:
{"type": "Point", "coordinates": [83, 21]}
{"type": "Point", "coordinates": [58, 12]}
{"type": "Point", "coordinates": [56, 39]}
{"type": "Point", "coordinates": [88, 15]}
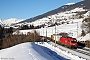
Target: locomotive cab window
{"type": "Point", "coordinates": [73, 40]}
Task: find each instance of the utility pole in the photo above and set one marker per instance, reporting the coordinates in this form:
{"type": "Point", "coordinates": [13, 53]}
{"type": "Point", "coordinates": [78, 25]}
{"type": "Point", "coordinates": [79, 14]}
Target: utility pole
{"type": "Point", "coordinates": [77, 29]}
{"type": "Point", "coordinates": [55, 29]}
{"type": "Point", "coordinates": [46, 32]}
{"type": "Point", "coordinates": [55, 33]}
{"type": "Point", "coordinates": [43, 31]}
{"type": "Point", "coordinates": [52, 31]}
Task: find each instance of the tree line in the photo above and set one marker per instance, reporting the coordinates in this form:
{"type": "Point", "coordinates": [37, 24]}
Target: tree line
{"type": "Point", "coordinates": [24, 27]}
{"type": "Point", "coordinates": [3, 32]}
{"type": "Point", "coordinates": [7, 39]}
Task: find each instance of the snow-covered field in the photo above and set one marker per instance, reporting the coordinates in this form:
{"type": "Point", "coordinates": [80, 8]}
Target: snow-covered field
{"type": "Point", "coordinates": [37, 51]}
{"type": "Point", "coordinates": [25, 51]}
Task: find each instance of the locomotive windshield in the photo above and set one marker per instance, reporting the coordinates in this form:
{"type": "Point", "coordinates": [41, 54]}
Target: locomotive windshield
{"type": "Point", "coordinates": [73, 40]}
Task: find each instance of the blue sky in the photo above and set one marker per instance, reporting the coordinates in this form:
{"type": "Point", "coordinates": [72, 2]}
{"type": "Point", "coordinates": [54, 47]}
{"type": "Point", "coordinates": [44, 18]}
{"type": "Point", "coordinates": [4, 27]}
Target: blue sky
{"type": "Point", "coordinates": [24, 9]}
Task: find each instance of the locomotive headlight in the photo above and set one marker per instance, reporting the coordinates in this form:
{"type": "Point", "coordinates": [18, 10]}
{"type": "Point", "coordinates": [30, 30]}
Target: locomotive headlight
{"type": "Point", "coordinates": [73, 44]}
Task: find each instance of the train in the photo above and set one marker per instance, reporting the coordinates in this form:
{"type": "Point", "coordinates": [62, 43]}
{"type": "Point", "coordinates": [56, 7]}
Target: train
{"type": "Point", "coordinates": [69, 42]}
{"type": "Point", "coordinates": [66, 41]}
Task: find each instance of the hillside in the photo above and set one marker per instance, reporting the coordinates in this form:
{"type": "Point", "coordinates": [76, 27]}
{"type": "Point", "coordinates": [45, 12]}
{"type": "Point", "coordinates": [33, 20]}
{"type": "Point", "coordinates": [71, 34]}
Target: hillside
{"type": "Point", "coordinates": [83, 4]}
{"type": "Point", "coordinates": [73, 16]}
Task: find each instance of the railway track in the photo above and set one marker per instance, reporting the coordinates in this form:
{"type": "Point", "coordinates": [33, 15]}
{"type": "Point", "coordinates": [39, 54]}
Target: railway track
{"type": "Point", "coordinates": [86, 49]}
{"type": "Point", "coordinates": [83, 50]}
{"type": "Point", "coordinates": [84, 53]}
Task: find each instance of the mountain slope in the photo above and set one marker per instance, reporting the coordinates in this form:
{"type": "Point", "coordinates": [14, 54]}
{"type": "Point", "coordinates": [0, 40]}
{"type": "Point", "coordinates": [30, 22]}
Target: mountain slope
{"type": "Point", "coordinates": [74, 14]}
{"type": "Point", "coordinates": [85, 4]}
{"type": "Point", "coordinates": [10, 21]}
{"type": "Point", "coordinates": [1, 23]}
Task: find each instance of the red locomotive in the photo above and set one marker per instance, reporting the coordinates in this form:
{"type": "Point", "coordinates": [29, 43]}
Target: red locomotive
{"type": "Point", "coordinates": [69, 42]}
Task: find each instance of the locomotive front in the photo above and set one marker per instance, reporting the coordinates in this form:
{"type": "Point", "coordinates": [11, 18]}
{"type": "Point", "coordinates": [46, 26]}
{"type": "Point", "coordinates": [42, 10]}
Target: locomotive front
{"type": "Point", "coordinates": [74, 42]}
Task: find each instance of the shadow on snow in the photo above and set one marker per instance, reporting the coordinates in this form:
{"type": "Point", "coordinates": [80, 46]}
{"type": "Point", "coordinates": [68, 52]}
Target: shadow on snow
{"type": "Point", "coordinates": [53, 54]}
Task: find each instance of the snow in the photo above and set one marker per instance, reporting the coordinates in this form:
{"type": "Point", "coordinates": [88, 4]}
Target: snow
{"type": "Point", "coordinates": [78, 9]}
{"type": "Point", "coordinates": [73, 28]}
{"type": "Point", "coordinates": [1, 23]}
{"type": "Point", "coordinates": [87, 14]}
{"type": "Point", "coordinates": [69, 15]}
{"type": "Point", "coordinates": [41, 21]}
{"type": "Point", "coordinates": [69, 3]}
{"type": "Point", "coordinates": [11, 21]}
{"type": "Point", "coordinates": [24, 51]}
{"type": "Point", "coordinates": [39, 51]}
{"type": "Point", "coordinates": [68, 28]}
{"type": "Point", "coordinates": [84, 38]}
{"type": "Point", "coordinates": [67, 53]}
